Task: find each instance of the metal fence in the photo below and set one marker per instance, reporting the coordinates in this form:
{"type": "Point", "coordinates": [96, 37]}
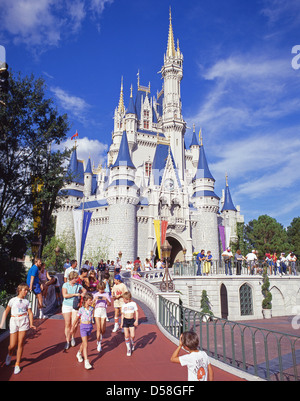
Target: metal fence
{"type": "Point", "coordinates": [189, 268]}
{"type": "Point", "coordinates": [268, 354]}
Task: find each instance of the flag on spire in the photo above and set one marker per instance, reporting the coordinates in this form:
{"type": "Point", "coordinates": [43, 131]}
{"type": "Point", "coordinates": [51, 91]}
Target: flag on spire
{"type": "Point", "coordinates": [74, 136]}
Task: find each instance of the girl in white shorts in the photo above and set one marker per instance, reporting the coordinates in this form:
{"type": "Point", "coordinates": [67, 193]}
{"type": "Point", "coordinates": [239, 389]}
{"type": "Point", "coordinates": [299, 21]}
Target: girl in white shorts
{"type": "Point", "coordinates": [21, 321]}
{"type": "Point", "coordinates": [101, 301]}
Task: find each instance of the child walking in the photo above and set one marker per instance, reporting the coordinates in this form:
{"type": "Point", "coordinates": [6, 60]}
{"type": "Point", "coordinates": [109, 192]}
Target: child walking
{"type": "Point", "coordinates": [197, 362]}
{"type": "Point", "coordinates": [20, 322]}
{"type": "Point", "coordinates": [101, 301]}
{"type": "Point", "coordinates": [128, 322]}
{"type": "Point", "coordinates": [117, 292]}
{"type": "Point", "coordinates": [85, 314]}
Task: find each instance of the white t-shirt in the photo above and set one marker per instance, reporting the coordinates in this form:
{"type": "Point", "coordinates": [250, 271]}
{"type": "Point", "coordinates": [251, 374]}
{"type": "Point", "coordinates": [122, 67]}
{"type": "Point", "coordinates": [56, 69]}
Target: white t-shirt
{"type": "Point", "coordinates": [19, 306]}
{"type": "Point", "coordinates": [68, 271]}
{"type": "Point", "coordinates": [197, 365]}
{"type": "Point", "coordinates": [251, 256]}
{"type": "Point", "coordinates": [129, 308]}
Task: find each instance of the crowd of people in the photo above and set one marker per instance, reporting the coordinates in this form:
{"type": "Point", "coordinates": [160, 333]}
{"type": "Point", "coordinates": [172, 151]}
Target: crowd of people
{"type": "Point", "coordinates": [281, 264]}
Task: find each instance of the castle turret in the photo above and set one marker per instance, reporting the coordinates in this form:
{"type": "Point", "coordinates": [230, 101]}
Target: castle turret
{"type": "Point", "coordinates": [207, 203]}
{"type": "Point", "coordinates": [194, 146]}
{"type": "Point", "coordinates": [73, 193]}
{"type": "Point", "coordinates": [230, 216]}
{"type": "Point", "coordinates": [131, 122]}
{"type": "Point", "coordinates": [122, 197]}
{"type": "Point", "coordinates": [88, 176]}
{"type": "Point", "coordinates": [172, 122]}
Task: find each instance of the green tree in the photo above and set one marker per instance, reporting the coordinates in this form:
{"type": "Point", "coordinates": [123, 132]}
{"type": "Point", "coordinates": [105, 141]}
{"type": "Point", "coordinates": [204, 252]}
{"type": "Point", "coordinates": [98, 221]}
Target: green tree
{"type": "Point", "coordinates": [29, 125]}
{"type": "Point", "coordinates": [293, 233]}
{"type": "Point", "coordinates": [266, 235]}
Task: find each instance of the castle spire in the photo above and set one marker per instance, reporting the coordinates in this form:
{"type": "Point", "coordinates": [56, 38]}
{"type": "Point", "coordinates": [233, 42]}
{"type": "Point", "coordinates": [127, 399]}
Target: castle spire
{"type": "Point", "coordinates": [228, 203]}
{"type": "Point", "coordinates": [171, 45]}
{"type": "Point", "coordinates": [121, 107]}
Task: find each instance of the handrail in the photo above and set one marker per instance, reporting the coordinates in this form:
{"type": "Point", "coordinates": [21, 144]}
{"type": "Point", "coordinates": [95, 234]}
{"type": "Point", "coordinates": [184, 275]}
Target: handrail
{"type": "Point", "coordinates": [269, 354]}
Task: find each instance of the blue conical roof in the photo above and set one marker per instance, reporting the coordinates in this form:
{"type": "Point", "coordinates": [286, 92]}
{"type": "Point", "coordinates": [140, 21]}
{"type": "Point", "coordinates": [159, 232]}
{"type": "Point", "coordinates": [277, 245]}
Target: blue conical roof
{"type": "Point", "coordinates": [124, 158]}
{"type": "Point", "coordinates": [75, 169]}
{"type": "Point", "coordinates": [203, 169]}
{"type": "Point", "coordinates": [131, 107]}
{"type": "Point", "coordinates": [194, 140]}
{"type": "Point", "coordinates": [88, 167]}
{"type": "Point", "coordinates": [228, 204]}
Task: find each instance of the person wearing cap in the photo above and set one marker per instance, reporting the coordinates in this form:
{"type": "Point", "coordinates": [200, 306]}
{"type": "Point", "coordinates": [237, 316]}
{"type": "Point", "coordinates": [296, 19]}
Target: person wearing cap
{"type": "Point", "coordinates": [252, 259]}
{"type": "Point", "coordinates": [283, 264]}
{"type": "Point", "coordinates": [117, 292]}
{"type": "Point", "coordinates": [227, 256]}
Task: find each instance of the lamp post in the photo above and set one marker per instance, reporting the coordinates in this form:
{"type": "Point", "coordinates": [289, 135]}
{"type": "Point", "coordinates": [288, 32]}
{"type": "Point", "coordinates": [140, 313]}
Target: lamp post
{"type": "Point", "coordinates": [57, 251]}
{"type": "Point", "coordinates": [167, 283]}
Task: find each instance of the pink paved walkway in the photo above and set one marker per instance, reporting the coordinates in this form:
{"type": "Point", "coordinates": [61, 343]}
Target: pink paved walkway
{"type": "Point", "coordinates": [44, 358]}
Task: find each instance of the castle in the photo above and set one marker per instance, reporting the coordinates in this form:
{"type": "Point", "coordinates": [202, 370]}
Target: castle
{"type": "Point", "coordinates": [151, 175]}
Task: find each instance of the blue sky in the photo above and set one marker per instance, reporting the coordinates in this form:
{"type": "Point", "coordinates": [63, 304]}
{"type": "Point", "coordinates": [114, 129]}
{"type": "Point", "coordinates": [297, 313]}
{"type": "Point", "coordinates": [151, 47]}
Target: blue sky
{"type": "Point", "coordinates": [241, 79]}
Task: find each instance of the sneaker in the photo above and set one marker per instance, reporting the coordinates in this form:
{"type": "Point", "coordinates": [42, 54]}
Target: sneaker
{"type": "Point", "coordinates": [8, 360]}
{"type": "Point", "coordinates": [128, 352]}
{"type": "Point", "coordinates": [41, 315]}
{"type": "Point", "coordinates": [87, 365]}
{"type": "Point", "coordinates": [116, 328]}
{"type": "Point", "coordinates": [73, 342]}
{"type": "Point", "coordinates": [132, 347]}
{"type": "Point", "coordinates": [67, 346]}
{"type": "Point", "coordinates": [79, 357]}
{"type": "Point", "coordinates": [17, 370]}
{"type": "Point", "coordinates": [99, 346]}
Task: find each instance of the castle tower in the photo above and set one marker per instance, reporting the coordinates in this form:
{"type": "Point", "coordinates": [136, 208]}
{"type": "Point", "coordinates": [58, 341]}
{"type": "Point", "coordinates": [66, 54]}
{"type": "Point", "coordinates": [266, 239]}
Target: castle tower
{"type": "Point", "coordinates": [172, 122]}
{"type": "Point", "coordinates": [194, 146]}
{"type": "Point", "coordinates": [131, 123]}
{"type": "Point", "coordinates": [88, 176]}
{"type": "Point", "coordinates": [73, 194]}
{"type": "Point", "coordinates": [230, 216]}
{"type": "Point", "coordinates": [119, 115]}
{"type": "Point", "coordinates": [122, 198]}
{"type": "Point", "coordinates": [207, 203]}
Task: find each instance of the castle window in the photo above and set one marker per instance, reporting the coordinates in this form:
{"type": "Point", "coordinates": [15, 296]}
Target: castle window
{"type": "Point", "coordinates": [148, 167]}
{"type": "Point", "coordinates": [146, 124]}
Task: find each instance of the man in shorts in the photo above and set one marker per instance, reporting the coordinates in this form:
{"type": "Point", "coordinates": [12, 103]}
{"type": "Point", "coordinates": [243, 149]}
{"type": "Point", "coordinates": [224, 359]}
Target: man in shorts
{"type": "Point", "coordinates": [33, 283]}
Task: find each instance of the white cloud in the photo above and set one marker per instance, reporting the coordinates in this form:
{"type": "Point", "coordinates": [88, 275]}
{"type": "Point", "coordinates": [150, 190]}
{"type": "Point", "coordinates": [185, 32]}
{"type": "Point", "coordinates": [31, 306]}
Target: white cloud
{"type": "Point", "coordinates": [43, 23]}
{"type": "Point", "coordinates": [86, 148]}
{"type": "Point", "coordinates": [73, 104]}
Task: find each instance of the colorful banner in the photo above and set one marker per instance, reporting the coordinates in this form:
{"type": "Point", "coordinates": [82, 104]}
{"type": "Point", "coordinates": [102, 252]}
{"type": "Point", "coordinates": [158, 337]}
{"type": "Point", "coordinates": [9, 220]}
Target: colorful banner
{"type": "Point", "coordinates": [164, 225]}
{"type": "Point", "coordinates": [81, 225]}
{"type": "Point", "coordinates": [227, 235]}
{"type": "Point", "coordinates": [157, 235]}
{"type": "Point", "coordinates": [85, 226]}
{"type": "Point", "coordinates": [222, 236]}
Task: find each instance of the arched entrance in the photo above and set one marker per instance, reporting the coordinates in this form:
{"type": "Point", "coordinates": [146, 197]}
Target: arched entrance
{"type": "Point", "coordinates": [176, 252]}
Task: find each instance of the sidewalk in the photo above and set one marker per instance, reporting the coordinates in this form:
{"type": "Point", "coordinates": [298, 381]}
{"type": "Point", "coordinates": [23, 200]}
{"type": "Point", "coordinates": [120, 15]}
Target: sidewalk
{"type": "Point", "coordinates": [44, 358]}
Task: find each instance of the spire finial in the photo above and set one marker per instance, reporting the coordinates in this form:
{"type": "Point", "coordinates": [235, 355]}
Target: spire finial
{"type": "Point", "coordinates": [226, 179]}
{"type": "Point", "coordinates": [138, 80]}
{"type": "Point", "coordinates": [171, 45]}
{"type": "Point", "coordinates": [194, 127]}
{"type": "Point", "coordinates": [200, 137]}
{"type": "Point", "coordinates": [121, 107]}
{"type": "Point", "coordinates": [131, 91]}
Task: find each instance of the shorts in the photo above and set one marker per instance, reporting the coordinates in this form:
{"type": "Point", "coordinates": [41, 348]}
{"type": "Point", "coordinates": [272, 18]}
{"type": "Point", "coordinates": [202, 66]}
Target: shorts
{"type": "Point", "coordinates": [118, 303]}
{"type": "Point", "coordinates": [36, 289]}
{"type": "Point", "coordinates": [128, 322]}
{"type": "Point", "coordinates": [67, 309]}
{"type": "Point", "coordinates": [86, 329]}
{"type": "Point", "coordinates": [19, 324]}
{"type": "Point", "coordinates": [100, 312]}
